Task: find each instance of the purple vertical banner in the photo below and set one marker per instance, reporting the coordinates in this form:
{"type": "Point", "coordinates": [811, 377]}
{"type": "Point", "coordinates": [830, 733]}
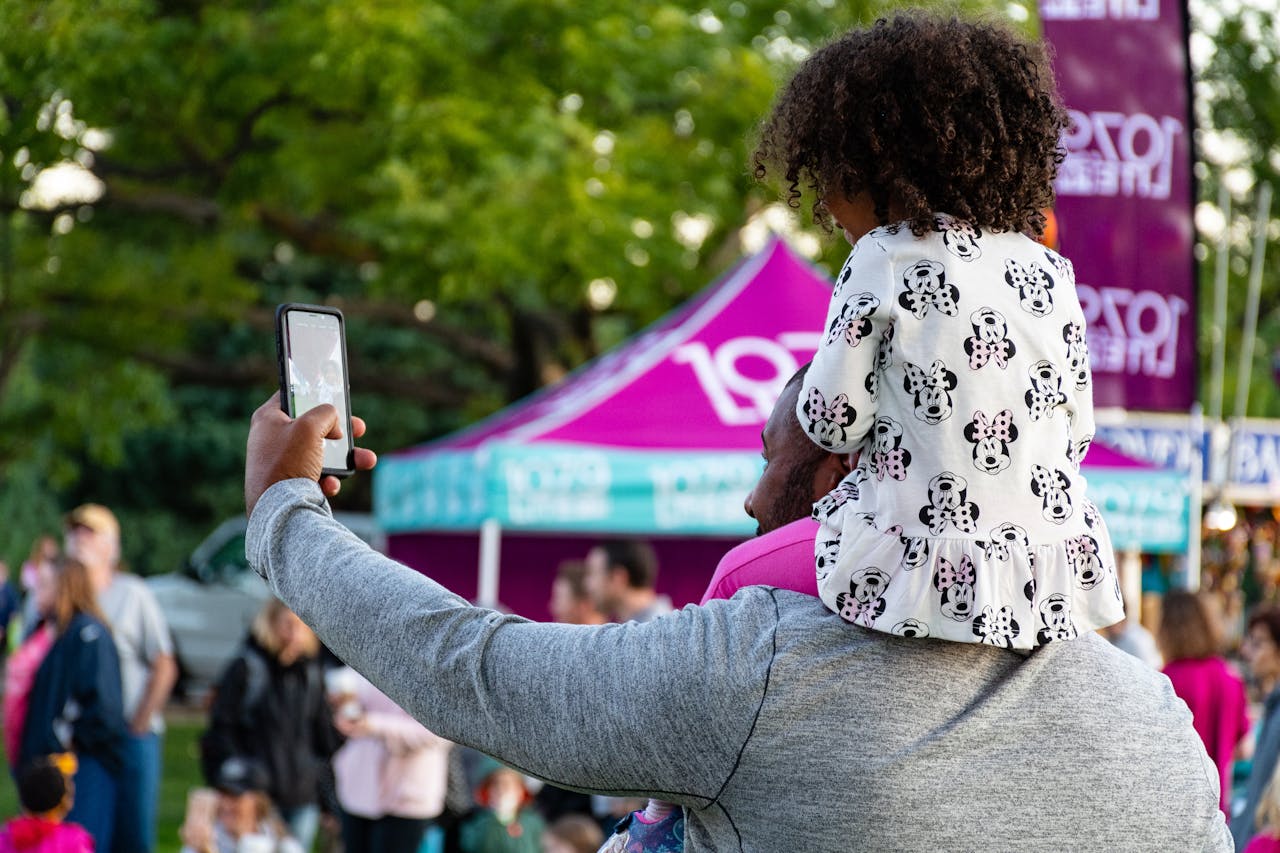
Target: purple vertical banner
{"type": "Point", "coordinates": [1124, 208]}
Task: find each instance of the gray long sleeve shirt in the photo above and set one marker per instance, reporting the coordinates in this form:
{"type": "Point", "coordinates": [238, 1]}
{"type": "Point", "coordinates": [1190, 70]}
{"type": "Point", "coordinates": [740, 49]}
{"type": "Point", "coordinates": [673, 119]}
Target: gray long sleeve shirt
{"type": "Point", "coordinates": [776, 725]}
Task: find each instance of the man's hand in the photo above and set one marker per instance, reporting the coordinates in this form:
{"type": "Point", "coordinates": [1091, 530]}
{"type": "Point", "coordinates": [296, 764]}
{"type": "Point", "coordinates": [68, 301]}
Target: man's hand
{"type": "Point", "coordinates": [283, 448]}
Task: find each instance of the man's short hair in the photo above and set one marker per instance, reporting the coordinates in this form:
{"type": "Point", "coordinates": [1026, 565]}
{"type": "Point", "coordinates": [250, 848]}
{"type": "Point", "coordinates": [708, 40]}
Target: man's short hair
{"type": "Point", "coordinates": [634, 555]}
{"type": "Point", "coordinates": [574, 573]}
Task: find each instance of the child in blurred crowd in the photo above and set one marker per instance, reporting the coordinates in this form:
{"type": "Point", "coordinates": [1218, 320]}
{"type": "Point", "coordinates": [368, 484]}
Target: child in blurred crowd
{"type": "Point", "coordinates": [46, 793]}
{"type": "Point", "coordinates": [236, 817]}
{"type": "Point", "coordinates": [505, 823]}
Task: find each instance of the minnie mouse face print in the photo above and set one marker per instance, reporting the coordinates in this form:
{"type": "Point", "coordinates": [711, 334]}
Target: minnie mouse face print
{"type": "Point", "coordinates": [990, 340]}
{"type": "Point", "coordinates": [926, 288]}
{"type": "Point", "coordinates": [991, 438]}
{"type": "Point", "coordinates": [948, 505]}
{"type": "Point", "coordinates": [1033, 285]}
{"type": "Point", "coordinates": [931, 391]}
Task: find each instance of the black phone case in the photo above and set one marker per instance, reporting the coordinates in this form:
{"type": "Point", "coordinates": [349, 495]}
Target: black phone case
{"type": "Point", "coordinates": [283, 372]}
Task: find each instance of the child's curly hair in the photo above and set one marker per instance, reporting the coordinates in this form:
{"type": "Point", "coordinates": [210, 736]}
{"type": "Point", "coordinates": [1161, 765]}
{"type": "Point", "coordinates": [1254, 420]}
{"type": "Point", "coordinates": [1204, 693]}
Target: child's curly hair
{"type": "Point", "coordinates": [926, 115]}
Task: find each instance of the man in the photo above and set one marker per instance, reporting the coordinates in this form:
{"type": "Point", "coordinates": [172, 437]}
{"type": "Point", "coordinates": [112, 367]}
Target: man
{"type": "Point", "coordinates": [570, 601]}
{"type": "Point", "coordinates": [1261, 651]}
{"type": "Point", "coordinates": [147, 668]}
{"type": "Point", "coordinates": [774, 723]}
{"type": "Point", "coordinates": [621, 579]}
{"type": "Point", "coordinates": [621, 575]}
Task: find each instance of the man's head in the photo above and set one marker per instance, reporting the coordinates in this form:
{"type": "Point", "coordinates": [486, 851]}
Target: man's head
{"type": "Point", "coordinates": [242, 800]}
{"type": "Point", "coordinates": [93, 537]}
{"type": "Point", "coordinates": [617, 569]}
{"type": "Point", "coordinates": [571, 602]}
{"type": "Point", "coordinates": [797, 472]}
{"type": "Point", "coordinates": [1261, 645]}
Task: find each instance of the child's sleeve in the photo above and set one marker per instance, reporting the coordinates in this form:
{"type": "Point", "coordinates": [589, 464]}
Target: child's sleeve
{"type": "Point", "coordinates": [837, 402]}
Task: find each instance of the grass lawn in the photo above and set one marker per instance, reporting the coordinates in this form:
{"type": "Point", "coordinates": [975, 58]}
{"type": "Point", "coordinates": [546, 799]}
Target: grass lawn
{"type": "Point", "coordinates": [181, 773]}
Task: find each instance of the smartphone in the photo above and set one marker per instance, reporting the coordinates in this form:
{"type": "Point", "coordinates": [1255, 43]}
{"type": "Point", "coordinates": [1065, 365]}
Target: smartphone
{"type": "Point", "coordinates": [311, 348]}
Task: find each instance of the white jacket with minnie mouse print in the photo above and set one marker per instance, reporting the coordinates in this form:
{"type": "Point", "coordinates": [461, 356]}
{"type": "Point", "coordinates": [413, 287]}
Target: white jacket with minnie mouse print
{"type": "Point", "coordinates": [956, 363]}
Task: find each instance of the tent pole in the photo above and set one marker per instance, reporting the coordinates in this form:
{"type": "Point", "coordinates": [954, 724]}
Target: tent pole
{"type": "Point", "coordinates": [1130, 569]}
{"type": "Point", "coordinates": [1195, 497]}
{"type": "Point", "coordinates": [1244, 372]}
{"type": "Point", "coordinates": [490, 541]}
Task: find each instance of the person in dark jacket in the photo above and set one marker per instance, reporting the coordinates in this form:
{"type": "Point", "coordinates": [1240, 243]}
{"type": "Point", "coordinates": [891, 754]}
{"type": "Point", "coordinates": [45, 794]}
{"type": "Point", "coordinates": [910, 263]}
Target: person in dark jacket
{"type": "Point", "coordinates": [270, 706]}
{"type": "Point", "coordinates": [1261, 651]}
{"type": "Point", "coordinates": [75, 703]}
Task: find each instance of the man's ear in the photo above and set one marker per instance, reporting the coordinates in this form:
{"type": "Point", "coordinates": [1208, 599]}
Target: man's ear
{"type": "Point", "coordinates": [831, 470]}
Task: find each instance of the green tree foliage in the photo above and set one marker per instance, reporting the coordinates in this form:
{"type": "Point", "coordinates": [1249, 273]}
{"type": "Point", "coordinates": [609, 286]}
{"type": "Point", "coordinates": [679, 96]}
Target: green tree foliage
{"type": "Point", "coordinates": [1238, 95]}
{"type": "Point", "coordinates": [493, 192]}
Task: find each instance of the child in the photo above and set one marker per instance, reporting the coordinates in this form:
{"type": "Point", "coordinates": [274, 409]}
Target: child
{"type": "Point", "coordinates": [953, 367]}
{"type": "Point", "coordinates": [46, 793]}
{"type": "Point", "coordinates": [236, 816]}
{"type": "Point", "coordinates": [504, 823]}
{"type": "Point", "coordinates": [1268, 821]}
{"type": "Point", "coordinates": [954, 353]}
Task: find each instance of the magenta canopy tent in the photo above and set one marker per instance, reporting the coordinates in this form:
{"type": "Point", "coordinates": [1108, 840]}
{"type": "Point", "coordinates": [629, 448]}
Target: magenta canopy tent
{"type": "Point", "coordinates": [658, 438]}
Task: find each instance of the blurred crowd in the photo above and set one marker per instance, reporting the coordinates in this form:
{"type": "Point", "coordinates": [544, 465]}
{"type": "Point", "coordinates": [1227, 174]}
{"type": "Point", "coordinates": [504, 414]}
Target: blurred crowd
{"type": "Point", "coordinates": [301, 753]}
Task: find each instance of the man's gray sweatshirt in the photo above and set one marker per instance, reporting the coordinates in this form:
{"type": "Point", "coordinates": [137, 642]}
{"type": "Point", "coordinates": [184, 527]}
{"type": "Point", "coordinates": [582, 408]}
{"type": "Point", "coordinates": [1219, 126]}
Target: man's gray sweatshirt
{"type": "Point", "coordinates": [774, 723]}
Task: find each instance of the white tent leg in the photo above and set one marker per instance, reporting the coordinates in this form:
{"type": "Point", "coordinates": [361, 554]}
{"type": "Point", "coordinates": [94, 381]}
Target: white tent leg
{"type": "Point", "coordinates": [1130, 569]}
{"type": "Point", "coordinates": [1195, 498]}
{"type": "Point", "coordinates": [490, 542]}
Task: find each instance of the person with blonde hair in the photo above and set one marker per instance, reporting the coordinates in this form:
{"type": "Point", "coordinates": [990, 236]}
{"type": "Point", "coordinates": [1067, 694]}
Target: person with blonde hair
{"type": "Point", "coordinates": [269, 705]}
{"type": "Point", "coordinates": [1267, 821]}
{"type": "Point", "coordinates": [1190, 639]}
{"type": "Point", "coordinates": [75, 704]}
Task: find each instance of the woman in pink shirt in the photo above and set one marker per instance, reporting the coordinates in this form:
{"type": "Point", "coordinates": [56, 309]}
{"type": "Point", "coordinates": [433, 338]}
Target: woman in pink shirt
{"type": "Point", "coordinates": [390, 774]}
{"type": "Point", "coordinates": [1190, 640]}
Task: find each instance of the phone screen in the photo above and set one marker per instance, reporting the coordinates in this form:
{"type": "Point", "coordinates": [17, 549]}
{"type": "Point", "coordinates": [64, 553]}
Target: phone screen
{"type": "Point", "coordinates": [315, 370]}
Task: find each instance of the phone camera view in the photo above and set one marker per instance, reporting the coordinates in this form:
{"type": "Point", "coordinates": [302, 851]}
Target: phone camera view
{"type": "Point", "coordinates": [316, 377]}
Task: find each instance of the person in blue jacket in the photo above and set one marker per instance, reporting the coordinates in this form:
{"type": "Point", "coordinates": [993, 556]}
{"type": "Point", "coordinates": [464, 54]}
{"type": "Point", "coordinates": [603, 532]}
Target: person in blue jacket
{"type": "Point", "coordinates": [75, 703]}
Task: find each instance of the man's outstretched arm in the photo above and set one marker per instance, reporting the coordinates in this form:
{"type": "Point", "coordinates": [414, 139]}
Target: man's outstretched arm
{"type": "Point", "coordinates": [662, 708]}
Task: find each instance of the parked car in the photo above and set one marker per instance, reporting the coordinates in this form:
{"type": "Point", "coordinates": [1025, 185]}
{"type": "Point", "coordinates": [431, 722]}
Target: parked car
{"type": "Point", "coordinates": [211, 602]}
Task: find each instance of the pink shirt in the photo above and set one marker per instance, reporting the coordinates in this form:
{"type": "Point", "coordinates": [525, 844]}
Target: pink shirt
{"type": "Point", "coordinates": [1263, 844]}
{"type": "Point", "coordinates": [19, 676]}
{"type": "Point", "coordinates": [399, 770]}
{"type": "Point", "coordinates": [29, 834]}
{"type": "Point", "coordinates": [781, 558]}
{"type": "Point", "coordinates": [1219, 709]}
